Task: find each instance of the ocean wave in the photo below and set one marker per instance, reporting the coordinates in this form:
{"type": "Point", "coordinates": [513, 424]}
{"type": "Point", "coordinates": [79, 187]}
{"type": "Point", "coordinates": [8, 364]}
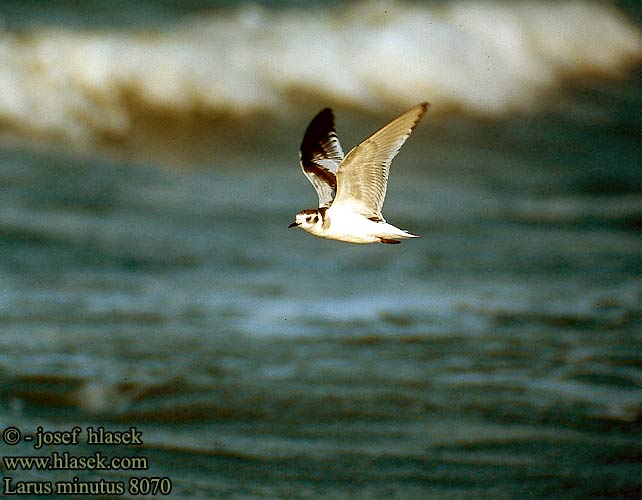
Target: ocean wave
{"type": "Point", "coordinates": [483, 57]}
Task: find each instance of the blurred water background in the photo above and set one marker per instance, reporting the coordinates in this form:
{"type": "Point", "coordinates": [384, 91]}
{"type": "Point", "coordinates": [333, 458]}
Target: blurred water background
{"type": "Point", "coordinates": [149, 170]}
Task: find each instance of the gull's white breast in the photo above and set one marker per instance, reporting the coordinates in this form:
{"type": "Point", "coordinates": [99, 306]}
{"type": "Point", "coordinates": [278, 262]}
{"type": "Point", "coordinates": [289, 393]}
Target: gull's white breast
{"type": "Point", "coordinates": [346, 225]}
{"type": "Point", "coordinates": [349, 226]}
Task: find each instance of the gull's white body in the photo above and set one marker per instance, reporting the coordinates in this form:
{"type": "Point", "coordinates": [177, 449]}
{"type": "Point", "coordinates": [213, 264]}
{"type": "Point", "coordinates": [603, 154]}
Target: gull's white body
{"type": "Point", "coordinates": [351, 190]}
{"type": "Point", "coordinates": [346, 225]}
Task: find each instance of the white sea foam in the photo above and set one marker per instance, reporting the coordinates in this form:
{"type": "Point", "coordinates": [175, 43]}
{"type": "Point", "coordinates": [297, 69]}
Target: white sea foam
{"type": "Point", "coordinates": [485, 57]}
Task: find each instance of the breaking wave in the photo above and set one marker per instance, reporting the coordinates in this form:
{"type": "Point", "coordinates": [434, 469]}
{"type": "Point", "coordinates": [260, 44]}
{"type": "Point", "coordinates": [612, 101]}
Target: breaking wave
{"type": "Point", "coordinates": [482, 57]}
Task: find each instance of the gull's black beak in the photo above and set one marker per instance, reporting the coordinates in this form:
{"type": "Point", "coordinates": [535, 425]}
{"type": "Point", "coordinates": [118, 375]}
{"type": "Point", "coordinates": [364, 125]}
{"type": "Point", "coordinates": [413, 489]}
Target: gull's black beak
{"type": "Point", "coordinates": [294, 224]}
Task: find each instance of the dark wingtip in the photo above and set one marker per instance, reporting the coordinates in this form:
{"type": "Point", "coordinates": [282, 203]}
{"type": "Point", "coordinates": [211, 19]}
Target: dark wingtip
{"type": "Point", "coordinates": [318, 129]}
{"type": "Point", "coordinates": [424, 107]}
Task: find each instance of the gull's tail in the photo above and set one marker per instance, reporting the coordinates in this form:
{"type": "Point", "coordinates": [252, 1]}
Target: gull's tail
{"type": "Point", "coordinates": [393, 234]}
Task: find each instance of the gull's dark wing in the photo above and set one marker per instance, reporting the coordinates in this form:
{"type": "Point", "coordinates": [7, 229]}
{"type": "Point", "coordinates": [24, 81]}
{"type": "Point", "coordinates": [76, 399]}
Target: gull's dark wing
{"type": "Point", "coordinates": [362, 179]}
{"type": "Point", "coordinates": [321, 155]}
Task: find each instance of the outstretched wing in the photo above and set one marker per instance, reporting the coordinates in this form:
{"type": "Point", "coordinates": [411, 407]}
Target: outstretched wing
{"type": "Point", "coordinates": [362, 178]}
{"type": "Point", "coordinates": [321, 155]}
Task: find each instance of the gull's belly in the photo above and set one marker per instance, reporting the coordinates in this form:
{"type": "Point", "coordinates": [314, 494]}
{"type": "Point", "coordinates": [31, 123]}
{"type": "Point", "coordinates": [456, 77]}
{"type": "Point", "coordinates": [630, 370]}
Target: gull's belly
{"type": "Point", "coordinates": [351, 227]}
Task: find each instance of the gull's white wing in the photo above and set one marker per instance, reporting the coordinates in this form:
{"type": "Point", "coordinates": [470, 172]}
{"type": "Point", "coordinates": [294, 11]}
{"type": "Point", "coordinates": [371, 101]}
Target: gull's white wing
{"type": "Point", "coordinates": [321, 155]}
{"type": "Point", "coordinates": [362, 177]}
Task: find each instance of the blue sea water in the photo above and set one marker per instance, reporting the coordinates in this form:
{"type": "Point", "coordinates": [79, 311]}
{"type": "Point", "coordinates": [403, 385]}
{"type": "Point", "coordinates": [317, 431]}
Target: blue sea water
{"type": "Point", "coordinates": [148, 278]}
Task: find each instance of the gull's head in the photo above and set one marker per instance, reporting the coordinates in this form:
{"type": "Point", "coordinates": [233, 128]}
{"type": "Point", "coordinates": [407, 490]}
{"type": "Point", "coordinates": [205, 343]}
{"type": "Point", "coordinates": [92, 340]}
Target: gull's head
{"type": "Point", "coordinates": [309, 220]}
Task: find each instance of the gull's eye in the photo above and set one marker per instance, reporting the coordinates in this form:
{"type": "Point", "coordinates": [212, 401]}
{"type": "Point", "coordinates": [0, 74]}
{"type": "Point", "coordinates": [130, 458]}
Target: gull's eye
{"type": "Point", "coordinates": [308, 219]}
{"type": "Point", "coordinates": [315, 219]}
